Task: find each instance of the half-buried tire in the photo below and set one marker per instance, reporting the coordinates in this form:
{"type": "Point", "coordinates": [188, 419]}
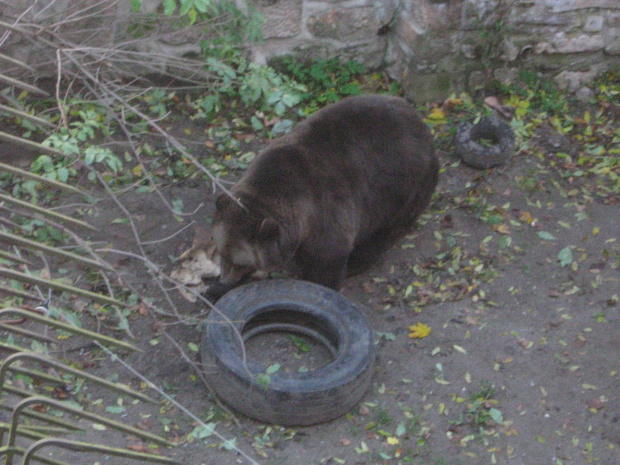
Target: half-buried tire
{"type": "Point", "coordinates": [288, 399]}
{"type": "Point", "coordinates": [486, 144]}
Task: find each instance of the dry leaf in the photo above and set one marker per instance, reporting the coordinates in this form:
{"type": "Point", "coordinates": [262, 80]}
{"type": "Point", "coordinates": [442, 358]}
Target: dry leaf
{"type": "Point", "coordinates": [192, 271]}
{"type": "Point", "coordinates": [501, 228]}
{"type": "Point", "coordinates": [419, 330]}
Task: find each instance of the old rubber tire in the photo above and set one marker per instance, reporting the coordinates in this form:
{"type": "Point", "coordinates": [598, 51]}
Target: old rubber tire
{"type": "Point", "coordinates": [288, 399]}
{"type": "Point", "coordinates": [481, 156]}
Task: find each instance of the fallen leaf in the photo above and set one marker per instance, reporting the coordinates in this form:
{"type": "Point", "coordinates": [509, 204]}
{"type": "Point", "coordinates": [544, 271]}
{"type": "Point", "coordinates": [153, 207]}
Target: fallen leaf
{"type": "Point", "coordinates": [451, 103]}
{"type": "Point", "coordinates": [419, 330]}
{"type": "Point", "coordinates": [459, 349]}
{"type": "Point", "coordinates": [368, 288]}
{"type": "Point", "coordinates": [546, 236]}
{"type": "Point", "coordinates": [436, 114]}
{"type": "Point", "coordinates": [526, 217]}
{"type": "Point", "coordinates": [595, 404]}
{"type": "Point", "coordinates": [494, 103]}
{"type": "Point", "coordinates": [501, 228]}
{"type": "Point", "coordinates": [565, 257]}
{"type": "Point", "coordinates": [143, 310]}
{"type": "Point", "coordinates": [139, 448]}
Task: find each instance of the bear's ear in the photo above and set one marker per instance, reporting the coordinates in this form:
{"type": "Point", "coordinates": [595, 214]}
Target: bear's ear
{"type": "Point", "coordinates": [222, 202]}
{"type": "Point", "coordinates": [269, 230]}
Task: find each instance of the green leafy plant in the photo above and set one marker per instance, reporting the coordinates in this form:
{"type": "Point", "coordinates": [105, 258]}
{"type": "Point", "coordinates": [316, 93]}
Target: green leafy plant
{"type": "Point", "coordinates": [258, 87]}
{"type": "Point", "coordinates": [327, 81]}
{"type": "Point", "coordinates": [238, 26]}
{"type": "Point", "coordinates": [70, 141]}
{"type": "Point", "coordinates": [481, 410]}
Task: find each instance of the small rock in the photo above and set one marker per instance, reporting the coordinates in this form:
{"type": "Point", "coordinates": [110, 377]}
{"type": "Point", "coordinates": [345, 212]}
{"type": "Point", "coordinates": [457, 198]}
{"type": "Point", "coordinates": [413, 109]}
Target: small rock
{"type": "Point", "coordinates": [585, 94]}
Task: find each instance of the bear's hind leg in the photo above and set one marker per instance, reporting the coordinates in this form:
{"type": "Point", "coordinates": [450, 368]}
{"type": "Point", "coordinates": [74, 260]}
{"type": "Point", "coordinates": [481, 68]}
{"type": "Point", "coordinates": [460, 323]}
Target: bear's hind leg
{"type": "Point", "coordinates": [326, 272]}
{"type": "Point", "coordinates": [366, 254]}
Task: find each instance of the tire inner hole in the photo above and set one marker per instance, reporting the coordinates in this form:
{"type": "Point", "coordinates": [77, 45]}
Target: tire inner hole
{"type": "Point", "coordinates": [295, 341]}
{"type": "Point", "coordinates": [484, 136]}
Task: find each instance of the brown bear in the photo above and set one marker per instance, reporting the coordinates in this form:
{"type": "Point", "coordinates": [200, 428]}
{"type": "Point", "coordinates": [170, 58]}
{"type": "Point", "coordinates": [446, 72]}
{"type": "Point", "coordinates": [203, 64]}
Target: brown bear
{"type": "Point", "coordinates": [330, 196]}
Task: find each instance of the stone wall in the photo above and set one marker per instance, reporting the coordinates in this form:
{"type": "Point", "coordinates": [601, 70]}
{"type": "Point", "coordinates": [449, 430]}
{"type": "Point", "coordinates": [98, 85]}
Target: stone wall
{"type": "Point", "coordinates": [435, 47]}
{"type": "Point", "coordinates": [324, 29]}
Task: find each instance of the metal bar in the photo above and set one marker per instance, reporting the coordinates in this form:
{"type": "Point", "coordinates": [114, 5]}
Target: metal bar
{"type": "Point", "coordinates": [13, 257]}
{"type": "Point", "coordinates": [18, 293]}
{"type": "Point", "coordinates": [86, 447]}
{"type": "Point", "coordinates": [15, 62]}
{"type": "Point", "coordinates": [24, 432]}
{"type": "Point", "coordinates": [10, 347]}
{"type": "Point", "coordinates": [45, 212]}
{"type": "Point", "coordinates": [82, 414]}
{"type": "Point", "coordinates": [26, 333]}
{"type": "Point", "coordinates": [46, 418]}
{"type": "Point", "coordinates": [23, 114]}
{"type": "Point", "coordinates": [21, 451]}
{"type": "Point", "coordinates": [40, 375]}
{"type": "Point", "coordinates": [30, 144]}
{"type": "Point", "coordinates": [41, 179]}
{"type": "Point", "coordinates": [5, 366]}
{"type": "Point", "coordinates": [23, 242]}
{"type": "Point", "coordinates": [16, 391]}
{"type": "Point", "coordinates": [22, 85]}
{"type": "Point", "coordinates": [69, 328]}
{"type": "Point", "coordinates": [59, 285]}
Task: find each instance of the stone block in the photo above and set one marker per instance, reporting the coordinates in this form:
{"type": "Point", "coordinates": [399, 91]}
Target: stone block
{"type": "Point", "coordinates": [347, 25]}
{"type": "Point", "coordinates": [570, 80]}
{"type": "Point", "coordinates": [407, 30]}
{"type": "Point", "coordinates": [612, 45]}
{"type": "Point", "coordinates": [535, 13]}
{"type": "Point", "coordinates": [282, 18]}
{"type": "Point", "coordinates": [594, 24]}
{"type": "Point", "coordinates": [560, 43]}
{"type": "Point", "coordinates": [559, 6]}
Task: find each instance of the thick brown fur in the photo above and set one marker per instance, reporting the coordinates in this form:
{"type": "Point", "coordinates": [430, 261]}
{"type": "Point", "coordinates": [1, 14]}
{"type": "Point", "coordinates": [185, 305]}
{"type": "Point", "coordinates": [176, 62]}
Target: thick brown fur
{"type": "Point", "coordinates": [332, 195]}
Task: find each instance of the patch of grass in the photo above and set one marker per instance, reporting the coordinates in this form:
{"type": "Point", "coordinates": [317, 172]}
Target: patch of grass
{"type": "Point", "coordinates": [384, 417]}
{"type": "Point", "coordinates": [541, 92]}
{"type": "Point", "coordinates": [481, 410]}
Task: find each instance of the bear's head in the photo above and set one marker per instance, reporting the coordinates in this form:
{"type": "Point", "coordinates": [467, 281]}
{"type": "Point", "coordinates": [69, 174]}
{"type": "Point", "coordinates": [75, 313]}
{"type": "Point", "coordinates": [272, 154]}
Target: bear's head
{"type": "Point", "coordinates": [248, 239]}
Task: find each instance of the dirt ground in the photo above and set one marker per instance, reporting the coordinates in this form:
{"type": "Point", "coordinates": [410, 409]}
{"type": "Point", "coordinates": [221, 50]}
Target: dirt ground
{"type": "Point", "coordinates": [515, 270]}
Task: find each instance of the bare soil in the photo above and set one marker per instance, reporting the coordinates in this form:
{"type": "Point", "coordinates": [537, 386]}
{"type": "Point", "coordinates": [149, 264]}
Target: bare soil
{"type": "Point", "coordinates": [482, 270]}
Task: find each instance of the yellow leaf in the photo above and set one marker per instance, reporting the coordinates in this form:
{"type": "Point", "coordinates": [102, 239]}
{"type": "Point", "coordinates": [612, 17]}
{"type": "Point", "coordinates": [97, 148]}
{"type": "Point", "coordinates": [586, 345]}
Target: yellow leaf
{"type": "Point", "coordinates": [392, 441]}
{"type": "Point", "coordinates": [527, 217]}
{"type": "Point", "coordinates": [419, 330]}
{"type": "Point", "coordinates": [501, 228]}
{"type": "Point", "coordinates": [596, 230]}
{"type": "Point", "coordinates": [436, 113]}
